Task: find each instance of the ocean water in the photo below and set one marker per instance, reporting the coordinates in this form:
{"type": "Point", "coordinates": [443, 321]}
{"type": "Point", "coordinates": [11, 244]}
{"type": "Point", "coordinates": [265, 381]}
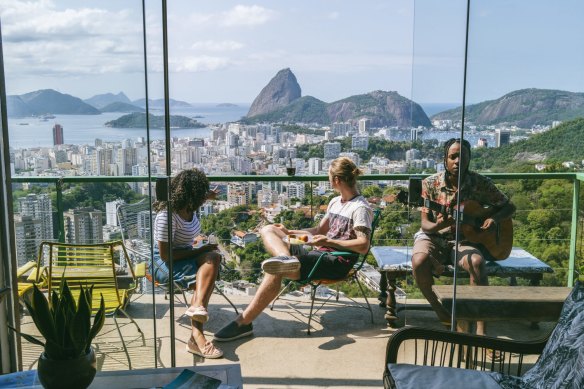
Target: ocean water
{"type": "Point", "coordinates": [84, 129]}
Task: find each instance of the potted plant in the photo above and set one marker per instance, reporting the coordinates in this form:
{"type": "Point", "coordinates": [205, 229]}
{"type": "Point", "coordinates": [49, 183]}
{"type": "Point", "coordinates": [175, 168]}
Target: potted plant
{"type": "Point", "coordinates": [68, 360]}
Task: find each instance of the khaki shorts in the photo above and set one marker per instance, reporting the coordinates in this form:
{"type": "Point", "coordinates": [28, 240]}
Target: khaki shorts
{"type": "Point", "coordinates": [442, 250]}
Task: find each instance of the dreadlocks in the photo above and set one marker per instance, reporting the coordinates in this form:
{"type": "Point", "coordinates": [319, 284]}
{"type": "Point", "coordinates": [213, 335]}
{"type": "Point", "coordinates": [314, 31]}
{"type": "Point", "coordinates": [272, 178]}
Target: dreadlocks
{"type": "Point", "coordinates": [452, 141]}
{"type": "Point", "coordinates": [188, 190]}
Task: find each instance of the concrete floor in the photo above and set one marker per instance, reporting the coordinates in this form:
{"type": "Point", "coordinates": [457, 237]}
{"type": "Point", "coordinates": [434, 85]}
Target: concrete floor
{"type": "Point", "coordinates": [345, 349]}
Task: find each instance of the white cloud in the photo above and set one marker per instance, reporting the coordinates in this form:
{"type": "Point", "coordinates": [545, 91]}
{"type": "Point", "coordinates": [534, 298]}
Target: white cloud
{"type": "Point", "coordinates": [242, 15]}
{"type": "Point", "coordinates": [211, 45]}
{"type": "Point", "coordinates": [43, 40]}
{"type": "Point", "coordinates": [198, 64]}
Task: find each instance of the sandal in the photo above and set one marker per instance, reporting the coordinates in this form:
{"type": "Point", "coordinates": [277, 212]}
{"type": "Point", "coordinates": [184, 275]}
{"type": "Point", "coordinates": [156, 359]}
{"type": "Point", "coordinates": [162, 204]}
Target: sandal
{"type": "Point", "coordinates": [209, 351]}
{"type": "Point", "coordinates": [199, 314]}
{"type": "Point", "coordinates": [495, 355]}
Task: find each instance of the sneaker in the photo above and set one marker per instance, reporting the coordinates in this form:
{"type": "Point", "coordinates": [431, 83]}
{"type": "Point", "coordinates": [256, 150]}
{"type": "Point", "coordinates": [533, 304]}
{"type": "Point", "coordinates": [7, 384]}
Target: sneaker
{"type": "Point", "coordinates": [233, 331]}
{"type": "Point", "coordinates": [281, 265]}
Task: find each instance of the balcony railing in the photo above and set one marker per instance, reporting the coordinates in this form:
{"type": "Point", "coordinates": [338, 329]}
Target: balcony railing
{"type": "Point", "coordinates": [573, 178]}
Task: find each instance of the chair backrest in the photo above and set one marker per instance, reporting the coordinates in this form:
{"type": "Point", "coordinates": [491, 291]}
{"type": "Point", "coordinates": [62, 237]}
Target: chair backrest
{"type": "Point", "coordinates": [374, 223]}
{"type": "Point", "coordinates": [87, 264]}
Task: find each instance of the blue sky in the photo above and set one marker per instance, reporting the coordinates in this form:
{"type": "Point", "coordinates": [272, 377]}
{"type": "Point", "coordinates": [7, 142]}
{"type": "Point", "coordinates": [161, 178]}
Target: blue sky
{"type": "Point", "coordinates": [226, 51]}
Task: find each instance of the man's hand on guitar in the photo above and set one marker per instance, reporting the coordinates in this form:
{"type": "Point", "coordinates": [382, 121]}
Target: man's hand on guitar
{"type": "Point", "coordinates": [443, 221]}
{"type": "Point", "coordinates": [488, 223]}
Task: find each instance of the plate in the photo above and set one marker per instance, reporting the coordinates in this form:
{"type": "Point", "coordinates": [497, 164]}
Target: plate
{"type": "Point", "coordinates": [294, 238]}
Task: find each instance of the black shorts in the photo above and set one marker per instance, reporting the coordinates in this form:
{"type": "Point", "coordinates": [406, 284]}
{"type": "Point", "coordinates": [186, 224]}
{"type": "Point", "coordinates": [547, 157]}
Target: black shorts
{"type": "Point", "coordinates": [330, 267]}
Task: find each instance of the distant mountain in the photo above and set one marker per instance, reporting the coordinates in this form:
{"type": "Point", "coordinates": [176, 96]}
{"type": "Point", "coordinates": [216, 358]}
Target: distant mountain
{"type": "Point", "coordinates": [523, 108]}
{"type": "Point", "coordinates": [282, 90]}
{"type": "Point", "coordinates": [121, 107]}
{"type": "Point", "coordinates": [280, 101]}
{"type": "Point", "coordinates": [159, 103]}
{"type": "Point", "coordinates": [48, 101]}
{"type": "Point", "coordinates": [18, 108]}
{"type": "Point", "coordinates": [103, 100]}
{"type": "Point", "coordinates": [226, 105]}
{"type": "Point", "coordinates": [138, 120]}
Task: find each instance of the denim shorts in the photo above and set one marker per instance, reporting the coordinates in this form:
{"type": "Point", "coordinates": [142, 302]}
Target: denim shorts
{"type": "Point", "coordinates": [184, 271]}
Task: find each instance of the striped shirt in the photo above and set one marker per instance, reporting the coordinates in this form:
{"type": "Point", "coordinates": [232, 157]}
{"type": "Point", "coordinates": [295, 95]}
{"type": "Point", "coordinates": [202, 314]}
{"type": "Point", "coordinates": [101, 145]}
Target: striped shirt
{"type": "Point", "coordinates": [184, 232]}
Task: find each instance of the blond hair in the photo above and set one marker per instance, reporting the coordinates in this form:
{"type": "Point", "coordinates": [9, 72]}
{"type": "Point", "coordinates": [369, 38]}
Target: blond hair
{"type": "Point", "coordinates": [346, 170]}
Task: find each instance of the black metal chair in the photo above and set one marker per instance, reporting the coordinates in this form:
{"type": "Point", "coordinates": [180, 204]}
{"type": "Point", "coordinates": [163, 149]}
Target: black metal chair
{"type": "Point", "coordinates": [314, 283]}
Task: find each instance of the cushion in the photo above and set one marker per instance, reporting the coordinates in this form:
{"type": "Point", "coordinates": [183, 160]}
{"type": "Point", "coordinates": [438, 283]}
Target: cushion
{"type": "Point", "coordinates": [406, 376]}
{"type": "Point", "coordinates": [561, 364]}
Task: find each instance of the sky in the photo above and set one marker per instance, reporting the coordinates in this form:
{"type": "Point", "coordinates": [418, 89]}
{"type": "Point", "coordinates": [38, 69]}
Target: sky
{"type": "Point", "coordinates": [227, 51]}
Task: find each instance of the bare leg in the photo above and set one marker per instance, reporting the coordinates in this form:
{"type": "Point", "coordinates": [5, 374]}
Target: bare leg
{"type": "Point", "coordinates": [272, 238]}
{"type": "Point", "coordinates": [268, 290]}
{"type": "Point", "coordinates": [422, 266]}
{"type": "Point", "coordinates": [206, 276]}
{"type": "Point", "coordinates": [475, 265]}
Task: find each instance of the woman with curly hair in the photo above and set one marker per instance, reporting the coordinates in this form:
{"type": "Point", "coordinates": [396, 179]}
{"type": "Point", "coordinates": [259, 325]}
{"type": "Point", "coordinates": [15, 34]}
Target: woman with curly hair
{"type": "Point", "coordinates": [188, 191]}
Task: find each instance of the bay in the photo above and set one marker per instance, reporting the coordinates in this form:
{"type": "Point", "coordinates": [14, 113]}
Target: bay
{"type": "Point", "coordinates": [30, 132]}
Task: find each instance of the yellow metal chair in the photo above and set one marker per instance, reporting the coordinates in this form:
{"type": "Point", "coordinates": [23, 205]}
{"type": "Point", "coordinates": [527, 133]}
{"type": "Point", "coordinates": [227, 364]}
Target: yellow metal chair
{"type": "Point", "coordinates": [26, 276]}
{"type": "Point", "coordinates": [314, 283]}
{"type": "Point", "coordinates": [92, 264]}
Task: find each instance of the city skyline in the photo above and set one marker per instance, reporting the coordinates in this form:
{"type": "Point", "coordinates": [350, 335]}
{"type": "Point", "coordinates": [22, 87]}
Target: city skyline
{"type": "Point", "coordinates": [226, 52]}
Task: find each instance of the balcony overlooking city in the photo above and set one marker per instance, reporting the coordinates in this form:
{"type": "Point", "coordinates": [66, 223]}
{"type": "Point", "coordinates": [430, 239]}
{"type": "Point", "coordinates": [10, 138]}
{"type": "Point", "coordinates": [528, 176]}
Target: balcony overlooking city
{"type": "Point", "coordinates": [103, 104]}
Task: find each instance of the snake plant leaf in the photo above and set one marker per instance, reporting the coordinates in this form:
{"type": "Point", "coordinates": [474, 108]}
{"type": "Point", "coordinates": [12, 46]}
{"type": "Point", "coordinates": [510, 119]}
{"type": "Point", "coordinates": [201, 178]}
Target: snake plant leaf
{"type": "Point", "coordinates": [98, 321]}
{"type": "Point", "coordinates": [81, 322]}
{"type": "Point", "coordinates": [41, 314]}
{"type": "Point", "coordinates": [30, 338]}
{"type": "Point", "coordinates": [54, 302]}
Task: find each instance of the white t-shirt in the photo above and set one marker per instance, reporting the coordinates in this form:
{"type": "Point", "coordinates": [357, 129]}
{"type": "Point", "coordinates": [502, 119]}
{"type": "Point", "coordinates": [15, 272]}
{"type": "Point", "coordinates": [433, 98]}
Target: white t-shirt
{"type": "Point", "coordinates": [344, 217]}
{"type": "Point", "coordinates": [184, 232]}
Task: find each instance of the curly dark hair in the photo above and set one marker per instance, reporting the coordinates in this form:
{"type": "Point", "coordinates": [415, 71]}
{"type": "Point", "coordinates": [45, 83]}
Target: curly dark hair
{"type": "Point", "coordinates": [188, 190]}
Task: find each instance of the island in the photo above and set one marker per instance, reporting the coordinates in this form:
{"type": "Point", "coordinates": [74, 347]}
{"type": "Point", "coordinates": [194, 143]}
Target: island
{"type": "Point", "coordinates": [138, 120]}
{"type": "Point", "coordinates": [226, 105]}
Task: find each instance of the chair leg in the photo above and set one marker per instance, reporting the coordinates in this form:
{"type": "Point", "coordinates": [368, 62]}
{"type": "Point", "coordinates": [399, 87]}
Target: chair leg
{"type": "Point", "coordinates": [123, 342]}
{"type": "Point", "coordinates": [285, 288]}
{"type": "Point", "coordinates": [312, 297]}
{"type": "Point", "coordinates": [365, 297]}
{"type": "Point", "coordinates": [226, 298]}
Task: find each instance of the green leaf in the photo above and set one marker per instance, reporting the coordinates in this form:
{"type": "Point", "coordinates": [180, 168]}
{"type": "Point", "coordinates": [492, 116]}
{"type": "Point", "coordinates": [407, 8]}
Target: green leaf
{"type": "Point", "coordinates": [30, 338]}
{"type": "Point", "coordinates": [98, 321]}
{"type": "Point", "coordinates": [41, 314]}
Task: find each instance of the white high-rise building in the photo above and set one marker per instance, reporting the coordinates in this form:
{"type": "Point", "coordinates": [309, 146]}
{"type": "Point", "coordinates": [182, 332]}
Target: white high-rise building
{"type": "Point", "coordinates": [363, 125]}
{"type": "Point", "coordinates": [502, 137]}
{"type": "Point", "coordinates": [332, 150]}
{"type": "Point", "coordinates": [314, 166]}
{"type": "Point", "coordinates": [360, 142]}
{"type": "Point", "coordinates": [39, 207]}
{"type": "Point", "coordinates": [297, 190]}
{"type": "Point", "coordinates": [111, 215]}
{"type": "Point", "coordinates": [28, 234]}
{"type": "Point", "coordinates": [83, 226]}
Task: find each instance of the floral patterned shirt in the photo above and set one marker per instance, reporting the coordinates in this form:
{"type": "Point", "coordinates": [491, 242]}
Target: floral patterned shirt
{"type": "Point", "coordinates": [474, 187]}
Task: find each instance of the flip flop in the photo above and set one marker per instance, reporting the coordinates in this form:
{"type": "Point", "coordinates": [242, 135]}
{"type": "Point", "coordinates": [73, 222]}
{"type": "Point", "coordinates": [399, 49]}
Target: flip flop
{"type": "Point", "coordinates": [209, 351]}
{"type": "Point", "coordinates": [199, 314]}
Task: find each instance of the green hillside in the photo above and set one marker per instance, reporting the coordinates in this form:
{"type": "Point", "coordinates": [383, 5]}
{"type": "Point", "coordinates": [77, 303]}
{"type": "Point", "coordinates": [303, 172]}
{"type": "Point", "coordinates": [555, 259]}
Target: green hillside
{"type": "Point", "coordinates": [560, 144]}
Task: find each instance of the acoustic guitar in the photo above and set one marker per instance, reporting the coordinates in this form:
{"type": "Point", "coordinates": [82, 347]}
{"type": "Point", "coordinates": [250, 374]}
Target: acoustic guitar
{"type": "Point", "coordinates": [497, 241]}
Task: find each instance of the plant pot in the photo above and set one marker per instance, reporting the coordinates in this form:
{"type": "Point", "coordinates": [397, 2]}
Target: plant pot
{"type": "Point", "coordinates": [70, 373]}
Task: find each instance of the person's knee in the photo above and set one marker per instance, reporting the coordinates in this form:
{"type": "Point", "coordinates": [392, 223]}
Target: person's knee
{"type": "Point", "coordinates": [420, 261]}
{"type": "Point", "coordinates": [477, 261]}
{"type": "Point", "coordinates": [269, 229]}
